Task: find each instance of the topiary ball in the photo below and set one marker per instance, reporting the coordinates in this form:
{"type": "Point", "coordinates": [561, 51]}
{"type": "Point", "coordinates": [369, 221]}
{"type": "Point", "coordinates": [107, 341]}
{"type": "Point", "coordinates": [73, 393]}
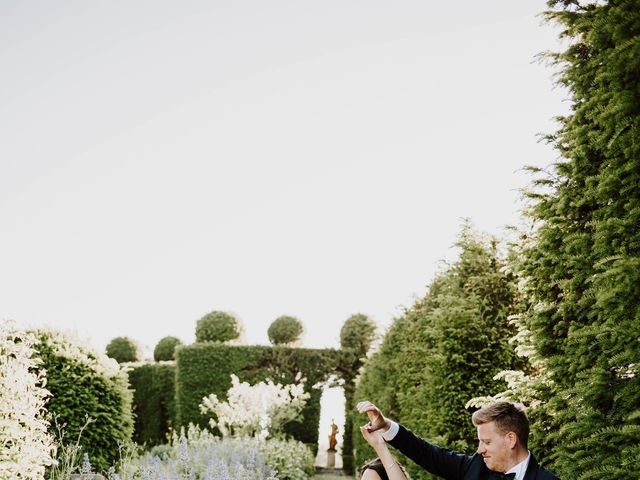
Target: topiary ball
{"type": "Point", "coordinates": [218, 327]}
{"type": "Point", "coordinates": [165, 349]}
{"type": "Point", "coordinates": [357, 333]}
{"type": "Point", "coordinates": [123, 349]}
{"type": "Point", "coordinates": [285, 330]}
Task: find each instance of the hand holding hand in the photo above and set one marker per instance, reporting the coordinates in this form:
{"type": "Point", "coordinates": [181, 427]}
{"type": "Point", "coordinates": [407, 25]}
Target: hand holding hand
{"type": "Point", "coordinates": [376, 419]}
{"type": "Point", "coordinates": [373, 438]}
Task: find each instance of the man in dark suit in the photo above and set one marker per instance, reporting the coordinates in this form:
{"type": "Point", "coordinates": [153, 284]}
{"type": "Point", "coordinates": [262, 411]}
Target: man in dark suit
{"type": "Point", "coordinates": [503, 433]}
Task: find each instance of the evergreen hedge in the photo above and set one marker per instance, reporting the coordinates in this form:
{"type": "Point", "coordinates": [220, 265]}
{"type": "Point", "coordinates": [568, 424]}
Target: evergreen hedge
{"type": "Point", "coordinates": [85, 384]}
{"type": "Point", "coordinates": [205, 368]}
{"type": "Point", "coordinates": [583, 267]}
{"type": "Point", "coordinates": [445, 350]}
{"type": "Point", "coordinates": [153, 387]}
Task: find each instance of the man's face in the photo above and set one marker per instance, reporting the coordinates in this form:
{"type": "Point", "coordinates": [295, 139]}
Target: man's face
{"type": "Point", "coordinates": [494, 447]}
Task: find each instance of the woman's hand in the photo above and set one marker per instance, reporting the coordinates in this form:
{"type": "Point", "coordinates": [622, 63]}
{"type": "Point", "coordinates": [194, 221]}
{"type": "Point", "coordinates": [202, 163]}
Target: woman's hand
{"type": "Point", "coordinates": [373, 438]}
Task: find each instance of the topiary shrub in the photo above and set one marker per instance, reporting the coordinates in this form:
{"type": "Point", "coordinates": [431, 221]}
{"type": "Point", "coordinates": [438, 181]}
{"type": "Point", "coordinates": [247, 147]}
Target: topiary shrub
{"type": "Point", "coordinates": [357, 333]}
{"type": "Point", "coordinates": [123, 349]}
{"type": "Point", "coordinates": [85, 384]}
{"type": "Point", "coordinates": [165, 349]}
{"type": "Point", "coordinates": [218, 326]}
{"type": "Point", "coordinates": [285, 330]}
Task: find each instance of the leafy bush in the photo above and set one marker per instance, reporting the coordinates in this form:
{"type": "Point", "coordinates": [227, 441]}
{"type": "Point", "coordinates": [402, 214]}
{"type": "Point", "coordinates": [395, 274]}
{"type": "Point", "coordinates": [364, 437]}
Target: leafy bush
{"type": "Point", "coordinates": [285, 330]}
{"type": "Point", "coordinates": [153, 387]}
{"type": "Point", "coordinates": [123, 349]}
{"type": "Point", "coordinates": [218, 327]}
{"type": "Point", "coordinates": [290, 459]}
{"type": "Point", "coordinates": [26, 446]}
{"type": "Point", "coordinates": [165, 349]}
{"type": "Point", "coordinates": [86, 384]}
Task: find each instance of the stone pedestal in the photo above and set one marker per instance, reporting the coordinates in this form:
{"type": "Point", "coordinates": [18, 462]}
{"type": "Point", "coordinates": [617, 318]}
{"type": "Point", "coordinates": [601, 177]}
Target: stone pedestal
{"type": "Point", "coordinates": [331, 458]}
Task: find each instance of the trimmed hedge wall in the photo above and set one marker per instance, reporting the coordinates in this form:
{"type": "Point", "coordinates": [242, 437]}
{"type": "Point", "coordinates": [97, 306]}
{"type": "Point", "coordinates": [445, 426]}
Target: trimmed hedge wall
{"type": "Point", "coordinates": [153, 401]}
{"type": "Point", "coordinates": [205, 368]}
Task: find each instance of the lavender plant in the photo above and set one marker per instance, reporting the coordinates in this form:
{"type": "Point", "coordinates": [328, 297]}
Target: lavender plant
{"type": "Point", "coordinates": [199, 455]}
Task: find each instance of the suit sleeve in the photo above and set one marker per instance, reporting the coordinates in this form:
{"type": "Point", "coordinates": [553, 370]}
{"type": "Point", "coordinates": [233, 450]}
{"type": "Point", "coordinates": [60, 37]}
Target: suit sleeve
{"type": "Point", "coordinates": [436, 460]}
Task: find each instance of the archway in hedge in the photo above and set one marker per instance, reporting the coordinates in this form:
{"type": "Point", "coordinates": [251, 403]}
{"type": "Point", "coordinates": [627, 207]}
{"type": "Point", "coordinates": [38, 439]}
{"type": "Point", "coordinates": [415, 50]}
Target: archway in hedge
{"type": "Point", "coordinates": [332, 409]}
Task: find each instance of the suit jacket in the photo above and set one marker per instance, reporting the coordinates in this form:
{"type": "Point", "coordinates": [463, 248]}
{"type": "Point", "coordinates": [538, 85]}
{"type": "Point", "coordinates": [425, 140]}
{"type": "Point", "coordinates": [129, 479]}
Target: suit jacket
{"type": "Point", "coordinates": [453, 465]}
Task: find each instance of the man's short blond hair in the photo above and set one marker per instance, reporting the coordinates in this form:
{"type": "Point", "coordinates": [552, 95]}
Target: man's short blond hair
{"type": "Point", "coordinates": [508, 417]}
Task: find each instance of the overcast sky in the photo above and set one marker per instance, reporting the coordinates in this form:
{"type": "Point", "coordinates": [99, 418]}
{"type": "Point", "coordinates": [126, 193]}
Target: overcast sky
{"type": "Point", "coordinates": [162, 159]}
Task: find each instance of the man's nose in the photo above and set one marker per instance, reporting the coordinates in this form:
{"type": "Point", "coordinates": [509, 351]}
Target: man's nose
{"type": "Point", "coordinates": [481, 449]}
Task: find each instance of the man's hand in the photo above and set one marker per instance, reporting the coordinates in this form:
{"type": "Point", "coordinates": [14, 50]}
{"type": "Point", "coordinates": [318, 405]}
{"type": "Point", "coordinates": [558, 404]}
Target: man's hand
{"type": "Point", "coordinates": [376, 419]}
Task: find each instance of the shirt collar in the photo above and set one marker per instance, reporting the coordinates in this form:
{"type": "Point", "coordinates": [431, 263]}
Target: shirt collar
{"type": "Point", "coordinates": [520, 468]}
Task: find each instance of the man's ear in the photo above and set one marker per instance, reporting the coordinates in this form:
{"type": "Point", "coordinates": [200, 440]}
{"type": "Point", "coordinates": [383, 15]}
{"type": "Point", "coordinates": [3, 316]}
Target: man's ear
{"type": "Point", "coordinates": [512, 439]}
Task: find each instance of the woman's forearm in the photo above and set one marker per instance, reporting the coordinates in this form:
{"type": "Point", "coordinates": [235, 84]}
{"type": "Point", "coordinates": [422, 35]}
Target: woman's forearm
{"type": "Point", "coordinates": [390, 465]}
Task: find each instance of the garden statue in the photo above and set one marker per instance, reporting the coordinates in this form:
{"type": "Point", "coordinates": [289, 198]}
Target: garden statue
{"type": "Point", "coordinates": [331, 451]}
{"type": "Point", "coordinates": [332, 436]}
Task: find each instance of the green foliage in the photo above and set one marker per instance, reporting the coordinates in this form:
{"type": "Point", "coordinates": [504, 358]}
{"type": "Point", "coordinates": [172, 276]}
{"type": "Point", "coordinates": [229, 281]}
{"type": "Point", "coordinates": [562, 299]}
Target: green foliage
{"type": "Point", "coordinates": [123, 349]}
{"type": "Point", "coordinates": [205, 368]}
{"type": "Point", "coordinates": [218, 327]}
{"type": "Point", "coordinates": [582, 270]}
{"type": "Point", "coordinates": [291, 459]}
{"type": "Point", "coordinates": [285, 330]}
{"type": "Point", "coordinates": [153, 401]}
{"type": "Point", "coordinates": [165, 349]}
{"type": "Point", "coordinates": [357, 333]}
{"type": "Point", "coordinates": [444, 350]}
{"type": "Point", "coordinates": [86, 385]}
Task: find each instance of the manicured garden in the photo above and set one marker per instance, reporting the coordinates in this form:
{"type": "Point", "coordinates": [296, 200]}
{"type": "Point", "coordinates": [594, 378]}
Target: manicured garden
{"type": "Point", "coordinates": [549, 317]}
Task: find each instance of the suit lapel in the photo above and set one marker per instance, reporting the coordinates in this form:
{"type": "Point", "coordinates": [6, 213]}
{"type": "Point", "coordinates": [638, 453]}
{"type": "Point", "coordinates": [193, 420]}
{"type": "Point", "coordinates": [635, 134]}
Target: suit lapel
{"type": "Point", "coordinates": [532, 469]}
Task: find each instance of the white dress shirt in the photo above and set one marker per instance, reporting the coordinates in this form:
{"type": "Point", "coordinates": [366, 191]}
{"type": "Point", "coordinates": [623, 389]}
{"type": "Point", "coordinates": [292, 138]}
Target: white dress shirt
{"type": "Point", "coordinates": [520, 468]}
{"type": "Point", "coordinates": [391, 432]}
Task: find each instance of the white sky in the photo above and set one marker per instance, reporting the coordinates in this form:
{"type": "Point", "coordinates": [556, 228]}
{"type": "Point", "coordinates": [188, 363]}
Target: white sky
{"type": "Point", "coordinates": [162, 159]}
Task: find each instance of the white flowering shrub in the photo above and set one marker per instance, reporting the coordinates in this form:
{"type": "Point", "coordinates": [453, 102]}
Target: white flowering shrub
{"type": "Point", "coordinates": [25, 446]}
{"type": "Point", "coordinates": [261, 409]}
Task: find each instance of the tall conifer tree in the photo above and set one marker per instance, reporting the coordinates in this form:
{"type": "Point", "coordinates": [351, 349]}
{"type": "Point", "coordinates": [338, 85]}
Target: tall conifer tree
{"type": "Point", "coordinates": [446, 349]}
{"type": "Point", "coordinates": [584, 266]}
